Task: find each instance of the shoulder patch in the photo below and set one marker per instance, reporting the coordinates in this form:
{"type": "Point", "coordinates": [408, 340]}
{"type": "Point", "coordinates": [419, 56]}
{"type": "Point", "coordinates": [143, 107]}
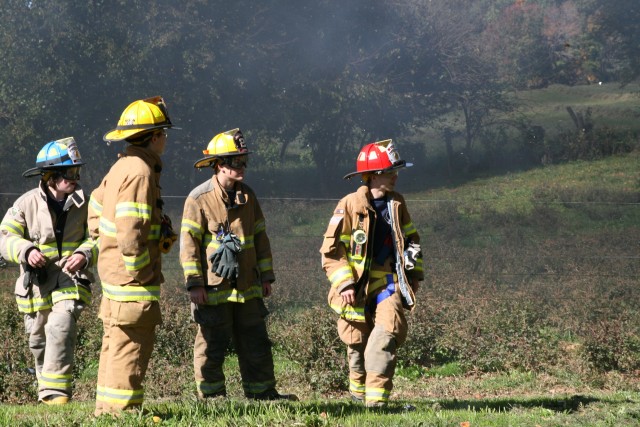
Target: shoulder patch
{"type": "Point", "coordinates": [201, 189]}
{"type": "Point", "coordinates": [15, 212]}
{"type": "Point", "coordinates": [335, 219]}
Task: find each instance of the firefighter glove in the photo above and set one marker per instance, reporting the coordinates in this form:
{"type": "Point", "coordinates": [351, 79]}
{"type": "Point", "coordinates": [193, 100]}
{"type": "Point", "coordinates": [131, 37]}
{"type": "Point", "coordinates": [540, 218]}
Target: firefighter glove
{"type": "Point", "coordinates": [27, 279]}
{"type": "Point", "coordinates": [224, 261]}
{"type": "Point", "coordinates": [411, 255]}
{"type": "Point", "coordinates": [167, 235]}
{"type": "Point", "coordinates": [34, 276]}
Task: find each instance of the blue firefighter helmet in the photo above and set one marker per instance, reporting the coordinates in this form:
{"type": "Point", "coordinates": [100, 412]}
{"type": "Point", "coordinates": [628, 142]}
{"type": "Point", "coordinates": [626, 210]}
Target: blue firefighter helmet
{"type": "Point", "coordinates": [56, 156]}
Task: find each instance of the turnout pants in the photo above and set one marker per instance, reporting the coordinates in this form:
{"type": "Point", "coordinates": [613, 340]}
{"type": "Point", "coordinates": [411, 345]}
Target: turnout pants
{"type": "Point", "coordinates": [52, 340]}
{"type": "Point", "coordinates": [127, 344]}
{"type": "Point", "coordinates": [372, 346]}
{"type": "Point", "coordinates": [244, 324]}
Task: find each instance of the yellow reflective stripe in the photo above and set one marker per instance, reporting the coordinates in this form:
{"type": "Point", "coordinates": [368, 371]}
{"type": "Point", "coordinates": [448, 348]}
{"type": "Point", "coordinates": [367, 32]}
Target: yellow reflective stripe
{"type": "Point", "coordinates": [349, 312]}
{"type": "Point", "coordinates": [13, 248]}
{"type": "Point", "coordinates": [246, 241]}
{"type": "Point", "coordinates": [107, 227]}
{"type": "Point", "coordinates": [154, 233]}
{"type": "Point", "coordinates": [136, 263]}
{"type": "Point", "coordinates": [133, 209]}
{"type": "Point", "coordinates": [71, 246]}
{"type": "Point", "coordinates": [91, 246]}
{"type": "Point", "coordinates": [210, 388]}
{"type": "Point", "coordinates": [409, 229]}
{"type": "Point", "coordinates": [340, 275]}
{"type": "Point", "coordinates": [131, 293]}
{"type": "Point", "coordinates": [119, 396]}
{"type": "Point", "coordinates": [72, 292]}
{"type": "Point", "coordinates": [258, 387]}
{"type": "Point", "coordinates": [58, 381]}
{"type": "Point", "coordinates": [346, 239]}
{"type": "Point", "coordinates": [210, 243]}
{"type": "Point", "coordinates": [215, 297]}
{"type": "Point", "coordinates": [265, 264]}
{"type": "Point", "coordinates": [356, 387]}
{"type": "Point", "coordinates": [192, 268]}
{"type": "Point", "coordinates": [49, 249]}
{"type": "Point", "coordinates": [377, 394]}
{"type": "Point", "coordinates": [192, 228]}
{"type": "Point", "coordinates": [13, 227]}
{"type": "Point", "coordinates": [259, 226]}
{"type": "Point", "coordinates": [32, 305]}
{"type": "Point", "coordinates": [378, 279]}
{"type": "Point", "coordinates": [95, 205]}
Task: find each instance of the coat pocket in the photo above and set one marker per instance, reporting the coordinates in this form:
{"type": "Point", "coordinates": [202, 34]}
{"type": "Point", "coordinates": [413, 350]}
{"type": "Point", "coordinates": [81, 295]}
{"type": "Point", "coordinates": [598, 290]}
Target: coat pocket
{"type": "Point", "coordinates": [135, 313]}
{"type": "Point", "coordinates": [206, 315]}
{"type": "Point", "coordinates": [352, 333]}
{"type": "Point", "coordinates": [332, 235]}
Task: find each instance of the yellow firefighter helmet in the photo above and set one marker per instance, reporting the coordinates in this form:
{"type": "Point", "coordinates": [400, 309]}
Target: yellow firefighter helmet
{"type": "Point", "coordinates": [225, 144]}
{"type": "Point", "coordinates": [140, 117]}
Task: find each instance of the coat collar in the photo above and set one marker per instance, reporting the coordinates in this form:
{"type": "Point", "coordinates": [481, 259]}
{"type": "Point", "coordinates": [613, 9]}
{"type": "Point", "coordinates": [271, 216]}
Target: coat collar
{"type": "Point", "coordinates": [149, 157]}
{"type": "Point", "coordinates": [76, 198]}
{"type": "Point", "coordinates": [239, 189]}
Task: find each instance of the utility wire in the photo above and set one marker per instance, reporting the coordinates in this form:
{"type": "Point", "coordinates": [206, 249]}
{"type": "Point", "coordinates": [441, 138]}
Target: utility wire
{"type": "Point", "coordinates": [319, 199]}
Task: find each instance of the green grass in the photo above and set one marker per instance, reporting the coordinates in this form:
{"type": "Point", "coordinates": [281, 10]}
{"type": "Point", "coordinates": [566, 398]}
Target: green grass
{"type": "Point", "coordinates": [612, 106]}
{"type": "Point", "coordinates": [588, 409]}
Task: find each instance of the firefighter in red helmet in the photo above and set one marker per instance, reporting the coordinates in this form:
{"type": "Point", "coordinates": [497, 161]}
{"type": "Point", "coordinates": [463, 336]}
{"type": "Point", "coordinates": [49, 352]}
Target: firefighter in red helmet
{"type": "Point", "coordinates": [371, 255]}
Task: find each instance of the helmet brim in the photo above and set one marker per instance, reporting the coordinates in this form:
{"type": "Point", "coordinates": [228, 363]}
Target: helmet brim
{"type": "Point", "coordinates": [399, 165]}
{"type": "Point", "coordinates": [37, 171]}
{"type": "Point", "coordinates": [115, 135]}
{"type": "Point", "coordinates": [206, 162]}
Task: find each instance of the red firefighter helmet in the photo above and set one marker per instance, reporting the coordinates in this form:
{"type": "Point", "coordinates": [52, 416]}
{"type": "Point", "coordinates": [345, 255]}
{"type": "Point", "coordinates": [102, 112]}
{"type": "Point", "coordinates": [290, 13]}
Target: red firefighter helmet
{"type": "Point", "coordinates": [378, 157]}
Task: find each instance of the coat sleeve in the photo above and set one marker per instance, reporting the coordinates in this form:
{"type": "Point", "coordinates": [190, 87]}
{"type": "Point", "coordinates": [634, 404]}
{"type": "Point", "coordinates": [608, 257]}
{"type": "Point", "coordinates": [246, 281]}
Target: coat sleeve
{"type": "Point", "coordinates": [410, 234]}
{"type": "Point", "coordinates": [191, 234]}
{"type": "Point", "coordinates": [88, 247]}
{"type": "Point", "coordinates": [95, 212]}
{"type": "Point", "coordinates": [133, 212]}
{"type": "Point", "coordinates": [262, 245]}
{"type": "Point", "coordinates": [334, 249]}
{"type": "Point", "coordinates": [13, 230]}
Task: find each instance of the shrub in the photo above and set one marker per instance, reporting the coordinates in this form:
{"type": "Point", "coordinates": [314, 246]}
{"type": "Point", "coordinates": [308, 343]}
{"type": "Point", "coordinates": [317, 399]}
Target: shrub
{"type": "Point", "coordinates": [309, 338]}
{"type": "Point", "coordinates": [613, 344]}
{"type": "Point", "coordinates": [500, 335]}
{"type": "Point", "coordinates": [17, 375]}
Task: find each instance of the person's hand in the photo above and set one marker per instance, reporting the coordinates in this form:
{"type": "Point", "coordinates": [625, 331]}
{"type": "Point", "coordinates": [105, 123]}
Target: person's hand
{"type": "Point", "coordinates": [75, 262]}
{"type": "Point", "coordinates": [348, 296]}
{"type": "Point", "coordinates": [266, 289]}
{"type": "Point", "coordinates": [198, 295]}
{"type": "Point", "coordinates": [36, 259]}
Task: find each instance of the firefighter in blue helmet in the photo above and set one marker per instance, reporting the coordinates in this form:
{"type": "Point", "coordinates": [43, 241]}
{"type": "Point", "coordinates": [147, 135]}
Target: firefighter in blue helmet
{"type": "Point", "coordinates": [45, 231]}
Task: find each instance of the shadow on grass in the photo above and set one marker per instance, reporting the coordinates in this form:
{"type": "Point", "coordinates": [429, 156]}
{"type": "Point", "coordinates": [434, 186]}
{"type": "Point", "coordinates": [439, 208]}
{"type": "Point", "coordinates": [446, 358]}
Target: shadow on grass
{"type": "Point", "coordinates": [567, 404]}
{"type": "Point", "coordinates": [334, 409]}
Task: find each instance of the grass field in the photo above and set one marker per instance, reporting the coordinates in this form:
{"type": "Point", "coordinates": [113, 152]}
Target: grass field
{"type": "Point", "coordinates": [530, 316]}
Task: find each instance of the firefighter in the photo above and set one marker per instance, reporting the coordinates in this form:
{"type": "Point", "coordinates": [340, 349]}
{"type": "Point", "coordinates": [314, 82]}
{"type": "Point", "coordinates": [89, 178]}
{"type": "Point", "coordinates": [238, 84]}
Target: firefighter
{"type": "Point", "coordinates": [371, 255]}
{"type": "Point", "coordinates": [46, 233]}
{"type": "Point", "coordinates": [126, 214]}
{"type": "Point", "coordinates": [226, 257]}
